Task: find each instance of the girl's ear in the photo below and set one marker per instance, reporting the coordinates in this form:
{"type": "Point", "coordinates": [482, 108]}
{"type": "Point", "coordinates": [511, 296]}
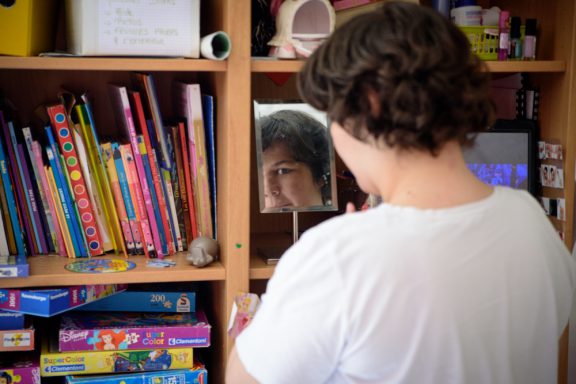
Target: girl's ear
{"type": "Point", "coordinates": [374, 101]}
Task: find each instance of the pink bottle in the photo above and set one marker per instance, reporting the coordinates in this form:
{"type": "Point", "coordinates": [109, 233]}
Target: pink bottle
{"type": "Point", "coordinates": [504, 33]}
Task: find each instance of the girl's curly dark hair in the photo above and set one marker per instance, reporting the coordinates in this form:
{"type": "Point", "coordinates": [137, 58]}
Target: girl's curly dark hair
{"type": "Point", "coordinates": [418, 67]}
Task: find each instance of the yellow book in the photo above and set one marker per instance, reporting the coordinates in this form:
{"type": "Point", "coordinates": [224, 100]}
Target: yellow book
{"type": "Point", "coordinates": [105, 204]}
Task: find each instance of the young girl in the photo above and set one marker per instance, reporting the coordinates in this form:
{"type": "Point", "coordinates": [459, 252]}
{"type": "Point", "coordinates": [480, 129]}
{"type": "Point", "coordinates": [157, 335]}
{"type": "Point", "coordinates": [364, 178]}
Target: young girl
{"type": "Point", "coordinates": [449, 280]}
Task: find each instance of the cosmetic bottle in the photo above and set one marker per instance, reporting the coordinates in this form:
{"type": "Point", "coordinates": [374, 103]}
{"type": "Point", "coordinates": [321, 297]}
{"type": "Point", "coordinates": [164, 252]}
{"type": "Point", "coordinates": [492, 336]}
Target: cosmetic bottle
{"type": "Point", "coordinates": [515, 42]}
{"type": "Point", "coordinates": [529, 45]}
{"type": "Point", "coordinates": [504, 35]}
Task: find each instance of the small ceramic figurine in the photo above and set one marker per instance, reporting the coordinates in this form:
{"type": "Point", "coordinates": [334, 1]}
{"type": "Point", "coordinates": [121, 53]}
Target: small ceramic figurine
{"type": "Point", "coordinates": [202, 251]}
{"type": "Point", "coordinates": [301, 26]}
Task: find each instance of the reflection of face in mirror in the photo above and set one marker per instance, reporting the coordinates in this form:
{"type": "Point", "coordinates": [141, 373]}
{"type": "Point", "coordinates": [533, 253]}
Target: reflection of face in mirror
{"type": "Point", "coordinates": [295, 160]}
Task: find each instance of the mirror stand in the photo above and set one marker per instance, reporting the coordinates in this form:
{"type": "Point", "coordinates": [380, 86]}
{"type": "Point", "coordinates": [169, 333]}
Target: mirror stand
{"type": "Point", "coordinates": [271, 254]}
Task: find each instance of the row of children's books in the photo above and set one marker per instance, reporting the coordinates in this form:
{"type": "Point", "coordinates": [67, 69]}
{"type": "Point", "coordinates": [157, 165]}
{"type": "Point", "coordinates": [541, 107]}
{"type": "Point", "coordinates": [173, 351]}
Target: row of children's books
{"type": "Point", "coordinates": [150, 190]}
{"type": "Point", "coordinates": [153, 340]}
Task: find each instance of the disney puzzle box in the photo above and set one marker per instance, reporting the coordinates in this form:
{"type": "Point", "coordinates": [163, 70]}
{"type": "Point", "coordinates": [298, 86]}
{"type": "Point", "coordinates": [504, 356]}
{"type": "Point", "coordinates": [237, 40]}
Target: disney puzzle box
{"type": "Point", "coordinates": [49, 302]}
{"type": "Point", "coordinates": [89, 331]}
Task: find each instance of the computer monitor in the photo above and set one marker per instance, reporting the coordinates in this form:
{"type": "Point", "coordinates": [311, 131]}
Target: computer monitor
{"type": "Point", "coordinates": [506, 155]}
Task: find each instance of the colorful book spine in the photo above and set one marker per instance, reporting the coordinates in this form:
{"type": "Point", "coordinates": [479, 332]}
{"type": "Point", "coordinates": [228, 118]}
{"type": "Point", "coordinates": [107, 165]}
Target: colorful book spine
{"type": "Point", "coordinates": [175, 229]}
{"type": "Point", "coordinates": [90, 230]}
{"type": "Point", "coordinates": [127, 121]}
{"type": "Point", "coordinates": [37, 227]}
{"type": "Point", "coordinates": [144, 83]}
{"type": "Point", "coordinates": [9, 233]}
{"type": "Point", "coordinates": [150, 181]}
{"type": "Point", "coordinates": [102, 183]}
{"type": "Point", "coordinates": [118, 199]}
{"type": "Point", "coordinates": [68, 249]}
{"type": "Point", "coordinates": [140, 120]}
{"type": "Point", "coordinates": [36, 164]}
{"type": "Point", "coordinates": [92, 192]}
{"type": "Point", "coordinates": [188, 180]}
{"type": "Point", "coordinates": [67, 207]}
{"type": "Point", "coordinates": [138, 200]}
{"type": "Point", "coordinates": [194, 116]}
{"type": "Point", "coordinates": [55, 225]}
{"type": "Point", "coordinates": [20, 202]}
{"type": "Point", "coordinates": [179, 186]}
{"type": "Point", "coordinates": [11, 201]}
{"type": "Point", "coordinates": [4, 251]}
{"type": "Point", "coordinates": [128, 202]}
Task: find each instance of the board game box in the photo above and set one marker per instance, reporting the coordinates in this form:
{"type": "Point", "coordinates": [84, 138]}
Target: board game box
{"type": "Point", "coordinates": [89, 331]}
{"type": "Point", "coordinates": [17, 340]}
{"type": "Point", "coordinates": [145, 301]}
{"type": "Point", "coordinates": [49, 302]}
{"type": "Point", "coordinates": [196, 375]}
{"type": "Point", "coordinates": [16, 369]}
{"type": "Point", "coordinates": [54, 363]}
{"type": "Point", "coordinates": [11, 320]}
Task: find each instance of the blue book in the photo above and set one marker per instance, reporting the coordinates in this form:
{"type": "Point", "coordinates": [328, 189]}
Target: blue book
{"type": "Point", "coordinates": [208, 112]}
{"type": "Point", "coordinates": [17, 230]}
{"type": "Point", "coordinates": [154, 143]}
{"type": "Point", "coordinates": [66, 196]}
{"type": "Point", "coordinates": [66, 207]}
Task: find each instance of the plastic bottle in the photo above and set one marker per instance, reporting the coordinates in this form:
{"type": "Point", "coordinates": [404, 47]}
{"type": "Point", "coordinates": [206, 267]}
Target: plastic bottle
{"type": "Point", "coordinates": [466, 13]}
{"type": "Point", "coordinates": [529, 45]}
{"type": "Point", "coordinates": [504, 34]}
{"type": "Point", "coordinates": [515, 42]}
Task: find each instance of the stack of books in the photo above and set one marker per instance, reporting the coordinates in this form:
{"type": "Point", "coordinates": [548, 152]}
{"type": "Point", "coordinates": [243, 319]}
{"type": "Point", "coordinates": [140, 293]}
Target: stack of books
{"type": "Point", "coordinates": [149, 190]}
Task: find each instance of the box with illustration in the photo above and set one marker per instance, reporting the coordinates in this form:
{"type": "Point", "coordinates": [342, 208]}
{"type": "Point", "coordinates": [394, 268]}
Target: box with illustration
{"type": "Point", "coordinates": [89, 331]}
{"type": "Point", "coordinates": [145, 301]}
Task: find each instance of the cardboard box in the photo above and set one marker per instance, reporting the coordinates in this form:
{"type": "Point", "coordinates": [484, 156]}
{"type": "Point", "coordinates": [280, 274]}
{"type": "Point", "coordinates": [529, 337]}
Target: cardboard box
{"type": "Point", "coordinates": [11, 320]}
{"type": "Point", "coordinates": [27, 27]}
{"type": "Point", "coordinates": [48, 302]}
{"type": "Point", "coordinates": [18, 369]}
{"type": "Point", "coordinates": [121, 28]}
{"type": "Point", "coordinates": [145, 301]}
{"type": "Point", "coordinates": [54, 363]}
{"type": "Point", "coordinates": [196, 375]}
{"type": "Point", "coordinates": [89, 331]}
{"type": "Point", "coordinates": [17, 340]}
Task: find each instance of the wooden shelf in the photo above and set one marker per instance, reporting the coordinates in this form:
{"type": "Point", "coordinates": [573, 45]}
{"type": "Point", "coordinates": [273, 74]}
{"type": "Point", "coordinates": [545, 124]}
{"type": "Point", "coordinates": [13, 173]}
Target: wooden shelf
{"type": "Point", "coordinates": [259, 269]}
{"type": "Point", "coordinates": [49, 271]}
{"type": "Point", "coordinates": [112, 64]}
{"type": "Point", "coordinates": [289, 66]}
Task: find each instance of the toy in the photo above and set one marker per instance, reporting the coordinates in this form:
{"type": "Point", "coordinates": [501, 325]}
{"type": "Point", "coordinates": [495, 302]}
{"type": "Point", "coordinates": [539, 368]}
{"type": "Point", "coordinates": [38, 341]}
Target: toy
{"type": "Point", "coordinates": [202, 251]}
{"type": "Point", "coordinates": [301, 26]}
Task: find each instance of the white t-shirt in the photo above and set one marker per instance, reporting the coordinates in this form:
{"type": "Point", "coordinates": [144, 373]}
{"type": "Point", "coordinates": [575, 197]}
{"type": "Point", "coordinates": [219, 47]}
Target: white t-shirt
{"type": "Point", "coordinates": [478, 293]}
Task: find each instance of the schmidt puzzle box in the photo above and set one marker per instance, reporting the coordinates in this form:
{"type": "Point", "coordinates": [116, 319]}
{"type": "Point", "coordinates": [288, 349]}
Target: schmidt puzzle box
{"type": "Point", "coordinates": [89, 331]}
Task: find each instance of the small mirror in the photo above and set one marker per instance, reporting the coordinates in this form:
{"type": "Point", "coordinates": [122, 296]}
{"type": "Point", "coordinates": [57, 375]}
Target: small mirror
{"type": "Point", "coordinates": [296, 168]}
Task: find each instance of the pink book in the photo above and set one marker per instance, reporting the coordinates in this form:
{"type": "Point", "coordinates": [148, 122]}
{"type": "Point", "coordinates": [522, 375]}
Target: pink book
{"type": "Point", "coordinates": [139, 205]}
{"type": "Point", "coordinates": [123, 106]}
